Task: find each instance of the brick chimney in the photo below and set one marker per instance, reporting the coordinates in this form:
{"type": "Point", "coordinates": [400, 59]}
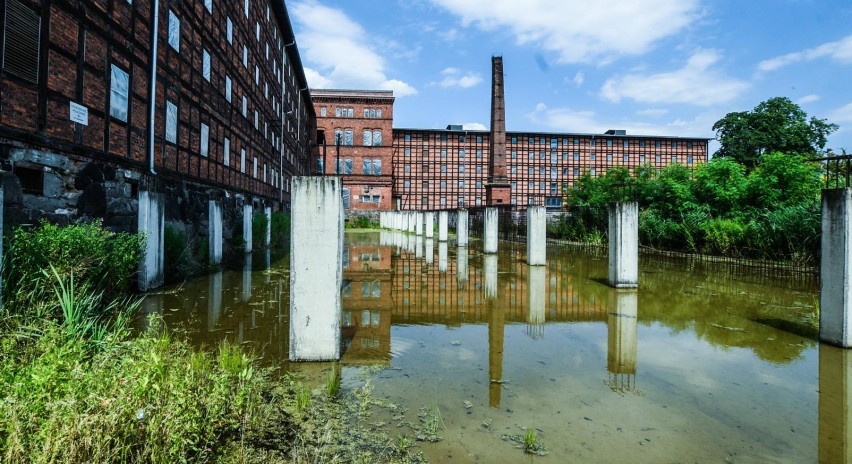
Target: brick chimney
{"type": "Point", "coordinates": [497, 188]}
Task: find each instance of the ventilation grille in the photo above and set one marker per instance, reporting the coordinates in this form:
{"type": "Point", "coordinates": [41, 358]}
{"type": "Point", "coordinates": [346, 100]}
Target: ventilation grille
{"type": "Point", "coordinates": [20, 53]}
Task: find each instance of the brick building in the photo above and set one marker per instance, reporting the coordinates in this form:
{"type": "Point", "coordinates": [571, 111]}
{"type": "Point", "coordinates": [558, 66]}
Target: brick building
{"type": "Point", "coordinates": [354, 131]}
{"type": "Point", "coordinates": [81, 132]}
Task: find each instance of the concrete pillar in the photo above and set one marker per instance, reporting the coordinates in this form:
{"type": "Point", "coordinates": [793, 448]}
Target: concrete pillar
{"type": "Point", "coordinates": [430, 225]}
{"type": "Point", "coordinates": [214, 232]}
{"type": "Point", "coordinates": [245, 296]}
{"type": "Point", "coordinates": [316, 268]}
{"type": "Point", "coordinates": [536, 235]}
{"type": "Point", "coordinates": [490, 269]}
{"type": "Point", "coordinates": [418, 223]}
{"type": "Point", "coordinates": [442, 256]}
{"type": "Point", "coordinates": [430, 251]}
{"type": "Point", "coordinates": [492, 216]}
{"type": "Point", "coordinates": [214, 300]}
{"type": "Point", "coordinates": [151, 222]}
{"type": "Point", "coordinates": [412, 222]}
{"type": "Point", "coordinates": [461, 264]}
{"type": "Point", "coordinates": [462, 228]}
{"type": "Point", "coordinates": [835, 292]}
{"type": "Point", "coordinates": [267, 238]}
{"type": "Point", "coordinates": [536, 280]}
{"type": "Point", "coordinates": [624, 245]}
{"type": "Point", "coordinates": [835, 405]}
{"type": "Point", "coordinates": [443, 225]}
{"type": "Point", "coordinates": [622, 341]}
{"type": "Point", "coordinates": [248, 216]}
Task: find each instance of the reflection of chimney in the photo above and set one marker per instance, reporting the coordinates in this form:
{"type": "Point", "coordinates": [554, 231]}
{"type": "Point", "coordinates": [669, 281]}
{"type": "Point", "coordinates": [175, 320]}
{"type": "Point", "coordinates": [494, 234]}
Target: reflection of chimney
{"type": "Point", "coordinates": [496, 325]}
{"type": "Point", "coordinates": [497, 188]}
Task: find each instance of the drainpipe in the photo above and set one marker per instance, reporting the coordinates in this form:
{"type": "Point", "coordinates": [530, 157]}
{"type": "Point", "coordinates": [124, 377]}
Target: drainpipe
{"type": "Point", "coordinates": [299, 124]}
{"type": "Point", "coordinates": [152, 85]}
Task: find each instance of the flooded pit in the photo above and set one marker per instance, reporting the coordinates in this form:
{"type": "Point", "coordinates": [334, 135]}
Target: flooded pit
{"type": "Point", "coordinates": [692, 367]}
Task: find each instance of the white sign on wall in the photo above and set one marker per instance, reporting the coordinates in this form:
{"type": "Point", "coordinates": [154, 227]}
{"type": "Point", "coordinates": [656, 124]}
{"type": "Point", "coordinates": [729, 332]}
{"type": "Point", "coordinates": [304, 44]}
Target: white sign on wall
{"type": "Point", "coordinates": [79, 114]}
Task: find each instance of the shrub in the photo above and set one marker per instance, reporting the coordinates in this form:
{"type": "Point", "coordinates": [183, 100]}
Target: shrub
{"type": "Point", "coordinates": [259, 227]}
{"type": "Point", "coordinates": [280, 229]}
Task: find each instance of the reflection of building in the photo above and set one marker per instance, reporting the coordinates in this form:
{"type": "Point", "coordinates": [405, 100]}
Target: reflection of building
{"type": "Point", "coordinates": [622, 340]}
{"type": "Point", "coordinates": [835, 405]}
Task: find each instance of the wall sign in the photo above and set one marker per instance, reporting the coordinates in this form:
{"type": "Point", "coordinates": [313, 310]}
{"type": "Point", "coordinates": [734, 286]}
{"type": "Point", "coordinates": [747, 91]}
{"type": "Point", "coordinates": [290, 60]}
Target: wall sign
{"type": "Point", "coordinates": [79, 114]}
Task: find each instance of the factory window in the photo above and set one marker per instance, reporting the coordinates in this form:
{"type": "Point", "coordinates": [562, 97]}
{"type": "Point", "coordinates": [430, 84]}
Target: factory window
{"type": "Point", "coordinates": [461, 200]}
{"type": "Point", "coordinates": [22, 37]}
{"type": "Point", "coordinates": [227, 153]}
{"type": "Point", "coordinates": [530, 171]}
{"type": "Point", "coordinates": [479, 153]}
{"type": "Point", "coordinates": [689, 159]}
{"type": "Point", "coordinates": [407, 168]}
{"type": "Point", "coordinates": [349, 137]}
{"type": "Point", "coordinates": [514, 140]}
{"type": "Point", "coordinates": [204, 143]}
{"type": "Point", "coordinates": [478, 139]}
{"type": "Point", "coordinates": [461, 184]}
{"type": "Point", "coordinates": [689, 145]}
{"type": "Point", "coordinates": [553, 173]}
{"type": "Point", "coordinates": [592, 172]}
{"type": "Point", "coordinates": [553, 158]}
{"type": "Point", "coordinates": [174, 31]}
{"type": "Point", "coordinates": [461, 168]}
{"type": "Point", "coordinates": [674, 144]}
{"type": "Point", "coordinates": [479, 184]}
{"type": "Point", "coordinates": [443, 185]}
{"type": "Point", "coordinates": [642, 143]}
{"type": "Point", "coordinates": [514, 185]}
{"type": "Point", "coordinates": [323, 110]}
{"type": "Point", "coordinates": [553, 143]}
{"type": "Point", "coordinates": [443, 201]}
{"type": "Point", "coordinates": [245, 56]}
{"type": "Point", "coordinates": [530, 140]}
{"type": "Point", "coordinates": [576, 157]}
{"type": "Point", "coordinates": [576, 172]}
{"type": "Point", "coordinates": [171, 122]}
{"type": "Point", "coordinates": [32, 180]}
{"type": "Point", "coordinates": [658, 144]}
{"type": "Point", "coordinates": [461, 153]}
{"type": "Point", "coordinates": [443, 168]}
{"type": "Point", "coordinates": [592, 157]}
{"type": "Point", "coordinates": [406, 184]}
{"type": "Point", "coordinates": [119, 91]}
{"type": "Point", "coordinates": [592, 142]}
{"type": "Point", "coordinates": [205, 65]}
{"type": "Point", "coordinates": [229, 30]}
{"type": "Point", "coordinates": [479, 169]}
{"type": "Point", "coordinates": [407, 137]}
{"type": "Point", "coordinates": [345, 194]}
{"type": "Point", "coordinates": [443, 153]}
{"type": "Point", "coordinates": [641, 158]}
{"type": "Point", "coordinates": [368, 138]}
{"type": "Point", "coordinates": [407, 152]}
{"type": "Point", "coordinates": [461, 138]}
{"type": "Point", "coordinates": [609, 156]}
{"type": "Point", "coordinates": [228, 87]}
{"type": "Point", "coordinates": [377, 138]}
{"type": "Point", "coordinates": [626, 144]}
{"type": "Point", "coordinates": [209, 5]}
{"type": "Point", "coordinates": [609, 142]}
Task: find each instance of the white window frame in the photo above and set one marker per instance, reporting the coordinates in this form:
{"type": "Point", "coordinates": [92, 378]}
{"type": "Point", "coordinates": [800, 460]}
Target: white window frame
{"type": "Point", "coordinates": [119, 99]}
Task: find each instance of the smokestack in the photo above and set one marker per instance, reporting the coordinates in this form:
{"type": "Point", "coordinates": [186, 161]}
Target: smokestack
{"type": "Point", "coordinates": [498, 188]}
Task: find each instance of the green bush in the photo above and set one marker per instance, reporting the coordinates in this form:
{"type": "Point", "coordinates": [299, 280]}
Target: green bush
{"type": "Point", "coordinates": [280, 229]}
{"type": "Point", "coordinates": [99, 260]}
{"type": "Point", "coordinates": [259, 227]}
{"type": "Point", "coordinates": [362, 222]}
{"type": "Point", "coordinates": [723, 236]}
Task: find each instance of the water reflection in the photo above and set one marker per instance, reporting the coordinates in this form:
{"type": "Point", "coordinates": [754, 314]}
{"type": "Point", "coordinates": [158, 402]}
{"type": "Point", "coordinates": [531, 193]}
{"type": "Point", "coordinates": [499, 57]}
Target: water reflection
{"type": "Point", "coordinates": [442, 256]}
{"type": "Point", "coordinates": [835, 405]}
{"type": "Point", "coordinates": [461, 266]}
{"type": "Point", "coordinates": [247, 271]}
{"type": "Point", "coordinates": [496, 329]}
{"type": "Point", "coordinates": [489, 263]}
{"type": "Point", "coordinates": [536, 279]}
{"type": "Point", "coordinates": [214, 299]}
{"type": "Point", "coordinates": [430, 251]}
{"type": "Point", "coordinates": [622, 323]}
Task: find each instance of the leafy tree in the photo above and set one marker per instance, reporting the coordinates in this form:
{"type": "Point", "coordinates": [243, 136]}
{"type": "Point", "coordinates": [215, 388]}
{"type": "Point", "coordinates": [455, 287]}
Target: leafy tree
{"type": "Point", "coordinates": [720, 184]}
{"type": "Point", "coordinates": [777, 124]}
{"type": "Point", "coordinates": [783, 180]}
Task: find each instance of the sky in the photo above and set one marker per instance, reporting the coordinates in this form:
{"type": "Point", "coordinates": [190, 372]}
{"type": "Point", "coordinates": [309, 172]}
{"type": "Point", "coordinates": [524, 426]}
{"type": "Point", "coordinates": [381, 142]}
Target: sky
{"type": "Point", "coordinates": [651, 67]}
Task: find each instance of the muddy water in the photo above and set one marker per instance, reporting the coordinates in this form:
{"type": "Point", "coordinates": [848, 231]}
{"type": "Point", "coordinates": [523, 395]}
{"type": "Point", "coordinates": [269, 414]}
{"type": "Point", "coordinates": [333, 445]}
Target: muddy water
{"type": "Point", "coordinates": [692, 367]}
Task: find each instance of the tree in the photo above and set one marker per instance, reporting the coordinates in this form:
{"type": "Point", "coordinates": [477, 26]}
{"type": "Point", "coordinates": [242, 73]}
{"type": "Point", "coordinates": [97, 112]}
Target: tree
{"type": "Point", "coordinates": [776, 125]}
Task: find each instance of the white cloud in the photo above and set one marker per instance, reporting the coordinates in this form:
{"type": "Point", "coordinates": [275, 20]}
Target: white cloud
{"type": "Point", "coordinates": [453, 77]}
{"type": "Point", "coordinates": [340, 56]}
{"type": "Point", "coordinates": [840, 51]}
{"type": "Point", "coordinates": [577, 30]}
{"type": "Point", "coordinates": [477, 126]}
{"type": "Point", "coordinates": [579, 78]}
{"type": "Point", "coordinates": [842, 114]}
{"type": "Point", "coordinates": [697, 83]}
{"type": "Point", "coordinates": [808, 99]}
{"type": "Point", "coordinates": [652, 112]}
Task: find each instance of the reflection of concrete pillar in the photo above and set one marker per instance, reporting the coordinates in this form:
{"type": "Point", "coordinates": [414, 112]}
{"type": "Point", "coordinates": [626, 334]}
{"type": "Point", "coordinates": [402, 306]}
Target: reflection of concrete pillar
{"type": "Point", "coordinates": [621, 330]}
{"type": "Point", "coordinates": [214, 232]}
{"type": "Point", "coordinates": [214, 300]}
{"type": "Point", "coordinates": [316, 269]}
{"type": "Point", "coordinates": [418, 245]}
{"type": "Point", "coordinates": [418, 223]}
{"type": "Point", "coordinates": [624, 245]}
{"type": "Point", "coordinates": [430, 251]}
{"type": "Point", "coordinates": [151, 222]}
{"type": "Point", "coordinates": [248, 216]}
{"type": "Point", "coordinates": [462, 228]}
{"type": "Point", "coordinates": [430, 225]}
{"type": "Point", "coordinates": [443, 225]}
{"type": "Point", "coordinates": [267, 263]}
{"type": "Point", "coordinates": [490, 268]}
{"type": "Point", "coordinates": [247, 267]}
{"type": "Point", "coordinates": [496, 325]}
{"type": "Point", "coordinates": [536, 235]}
{"type": "Point", "coordinates": [492, 216]}
{"type": "Point", "coordinates": [410, 242]}
{"type": "Point", "coordinates": [536, 280]}
{"type": "Point", "coordinates": [835, 318]}
{"type": "Point", "coordinates": [151, 305]}
{"type": "Point", "coordinates": [442, 256]}
{"type": "Point", "coordinates": [267, 237]}
{"type": "Point", "coordinates": [461, 264]}
{"type": "Point", "coordinates": [835, 399]}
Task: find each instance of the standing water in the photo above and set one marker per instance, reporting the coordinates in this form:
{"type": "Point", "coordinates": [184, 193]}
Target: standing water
{"type": "Point", "coordinates": [693, 367]}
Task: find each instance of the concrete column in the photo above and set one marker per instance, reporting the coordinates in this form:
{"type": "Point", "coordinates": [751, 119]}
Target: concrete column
{"type": "Point", "coordinates": [412, 222]}
{"type": "Point", "coordinates": [492, 216]}
{"type": "Point", "coordinates": [430, 225]}
{"type": "Point", "coordinates": [835, 293]}
{"type": "Point", "coordinates": [536, 235]}
{"type": "Point", "coordinates": [461, 264]}
{"type": "Point", "coordinates": [248, 215]}
{"type": "Point", "coordinates": [267, 238]}
{"type": "Point", "coordinates": [442, 256]}
{"type": "Point", "coordinates": [536, 280]}
{"type": "Point", "coordinates": [443, 225]}
{"type": "Point", "coordinates": [835, 405]}
{"type": "Point", "coordinates": [316, 268]}
{"type": "Point", "coordinates": [622, 338]}
{"type": "Point", "coordinates": [462, 228]}
{"type": "Point", "coordinates": [430, 251]}
{"type": "Point", "coordinates": [624, 245]}
{"type": "Point", "coordinates": [490, 268]}
{"type": "Point", "coordinates": [214, 232]}
{"type": "Point", "coordinates": [214, 300]}
{"type": "Point", "coordinates": [151, 222]}
{"type": "Point", "coordinates": [418, 223]}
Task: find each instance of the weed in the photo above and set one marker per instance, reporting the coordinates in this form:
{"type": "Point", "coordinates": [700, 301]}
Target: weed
{"type": "Point", "coordinates": [332, 383]}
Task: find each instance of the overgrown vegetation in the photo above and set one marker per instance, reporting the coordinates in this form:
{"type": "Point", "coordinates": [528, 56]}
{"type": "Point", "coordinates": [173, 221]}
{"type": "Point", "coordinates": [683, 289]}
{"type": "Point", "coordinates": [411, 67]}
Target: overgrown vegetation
{"type": "Point", "coordinates": [362, 222]}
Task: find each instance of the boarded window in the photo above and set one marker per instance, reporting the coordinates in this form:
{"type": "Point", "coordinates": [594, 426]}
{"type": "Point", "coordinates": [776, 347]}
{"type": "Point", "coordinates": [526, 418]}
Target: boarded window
{"type": "Point", "coordinates": [345, 198]}
{"type": "Point", "coordinates": [171, 122]}
{"type": "Point", "coordinates": [204, 145]}
{"type": "Point", "coordinates": [20, 55]}
{"type": "Point", "coordinates": [119, 91]}
{"type": "Point", "coordinates": [174, 31]}
{"type": "Point", "coordinates": [377, 138]}
{"type": "Point", "coordinates": [205, 65]}
{"type": "Point", "coordinates": [377, 167]}
{"type": "Point", "coordinates": [227, 152]}
{"type": "Point", "coordinates": [368, 138]}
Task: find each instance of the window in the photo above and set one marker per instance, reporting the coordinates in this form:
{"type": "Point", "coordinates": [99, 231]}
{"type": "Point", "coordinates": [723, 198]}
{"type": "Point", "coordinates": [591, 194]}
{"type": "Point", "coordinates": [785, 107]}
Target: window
{"type": "Point", "coordinates": [461, 168]}
{"type": "Point", "coordinates": [530, 185]}
{"type": "Point", "coordinates": [553, 202]}
{"type": "Point", "coordinates": [461, 153]}
{"type": "Point", "coordinates": [576, 172]}
{"type": "Point", "coordinates": [338, 136]}
{"type": "Point", "coordinates": [228, 89]}
{"type": "Point", "coordinates": [443, 185]}
{"type": "Point", "coordinates": [626, 144]}
{"type": "Point", "coordinates": [443, 153]}
{"type": "Point", "coordinates": [205, 65]}
{"type": "Point", "coordinates": [689, 145]}
{"type": "Point", "coordinates": [479, 184]}
{"type": "Point", "coordinates": [209, 5]}
{"type": "Point", "coordinates": [246, 8]}
{"type": "Point", "coordinates": [345, 194]}
{"type": "Point", "coordinates": [119, 91]}
{"type": "Point", "coordinates": [407, 152]}
{"type": "Point", "coordinates": [243, 160]}
{"type": "Point", "coordinates": [609, 142]}
{"type": "Point", "coordinates": [229, 30]}
{"type": "Point", "coordinates": [478, 139]}
{"type": "Point", "coordinates": [514, 140]}
{"type": "Point", "coordinates": [609, 156]}
{"type": "Point", "coordinates": [479, 153]}
{"type": "Point", "coordinates": [592, 172]}
{"type": "Point", "coordinates": [443, 168]}
{"type": "Point", "coordinates": [514, 185]}
{"type": "Point", "coordinates": [554, 189]}
{"type": "Point", "coordinates": [171, 122]}
{"type": "Point", "coordinates": [592, 157]}
{"type": "Point", "coordinates": [323, 111]}
{"type": "Point", "coordinates": [674, 144]}
{"type": "Point", "coordinates": [479, 169]}
{"type": "Point", "coordinates": [461, 184]}
{"type": "Point", "coordinates": [553, 158]}
{"type": "Point", "coordinates": [174, 31]}
{"type": "Point", "coordinates": [407, 168]}
{"type": "Point", "coordinates": [641, 158]}
{"type": "Point", "coordinates": [461, 138]}
{"type": "Point", "coordinates": [443, 201]}
{"type": "Point", "coordinates": [227, 152]}
{"type": "Point", "coordinates": [658, 144]}
{"type": "Point", "coordinates": [377, 138]}
{"type": "Point", "coordinates": [530, 171]}
{"type": "Point", "coordinates": [689, 159]}
{"type": "Point", "coordinates": [23, 30]}
{"type": "Point", "coordinates": [367, 167]}
{"type": "Point", "coordinates": [406, 184]}
{"type": "Point", "coordinates": [368, 138]}
{"type": "Point", "coordinates": [530, 140]}
{"type": "Point", "coordinates": [657, 158]}
{"type": "Point", "coordinates": [254, 170]}
{"type": "Point", "coordinates": [349, 137]}
{"type": "Point", "coordinates": [553, 173]}
{"type": "Point", "coordinates": [553, 143]}
{"type": "Point", "coordinates": [245, 56]}
{"type": "Point", "coordinates": [407, 137]}
{"type": "Point", "coordinates": [461, 200]}
{"type": "Point", "coordinates": [204, 143]}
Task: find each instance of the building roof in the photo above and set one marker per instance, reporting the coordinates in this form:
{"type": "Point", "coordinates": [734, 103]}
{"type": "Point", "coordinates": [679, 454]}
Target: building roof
{"type": "Point", "coordinates": [556, 134]}
{"type": "Point", "coordinates": [352, 93]}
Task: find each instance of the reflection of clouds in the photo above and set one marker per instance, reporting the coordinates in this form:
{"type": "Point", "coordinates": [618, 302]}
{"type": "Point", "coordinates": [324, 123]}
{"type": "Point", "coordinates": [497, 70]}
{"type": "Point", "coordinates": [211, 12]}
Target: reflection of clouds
{"type": "Point", "coordinates": [400, 346]}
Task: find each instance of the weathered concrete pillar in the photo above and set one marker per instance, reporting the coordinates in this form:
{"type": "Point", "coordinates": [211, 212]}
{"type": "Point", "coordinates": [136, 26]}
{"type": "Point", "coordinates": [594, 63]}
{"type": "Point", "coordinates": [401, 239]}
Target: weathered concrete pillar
{"type": "Point", "coordinates": [316, 268]}
{"type": "Point", "coordinates": [624, 245]}
{"type": "Point", "coordinates": [418, 223]}
{"type": "Point", "coordinates": [430, 251]}
{"type": "Point", "coordinates": [622, 338]}
{"type": "Point", "coordinates": [835, 405]}
{"type": "Point", "coordinates": [248, 265]}
{"type": "Point", "coordinates": [248, 216]}
{"type": "Point", "coordinates": [151, 222]}
{"type": "Point", "coordinates": [267, 237]}
{"type": "Point", "coordinates": [442, 256]}
{"type": "Point", "coordinates": [443, 225]}
{"type": "Point", "coordinates": [835, 292]}
{"type": "Point", "coordinates": [490, 269]}
{"type": "Point", "coordinates": [462, 229]}
{"type": "Point", "coordinates": [214, 232]}
{"type": "Point", "coordinates": [461, 264]}
{"type": "Point", "coordinates": [492, 216]}
{"type": "Point", "coordinates": [536, 235]}
{"type": "Point", "coordinates": [214, 300]}
{"type": "Point", "coordinates": [430, 224]}
{"type": "Point", "coordinates": [536, 280]}
{"type": "Point", "coordinates": [382, 220]}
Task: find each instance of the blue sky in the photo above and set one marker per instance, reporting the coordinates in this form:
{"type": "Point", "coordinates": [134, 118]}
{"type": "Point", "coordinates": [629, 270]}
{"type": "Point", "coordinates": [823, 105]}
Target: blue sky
{"type": "Point", "coordinates": [652, 67]}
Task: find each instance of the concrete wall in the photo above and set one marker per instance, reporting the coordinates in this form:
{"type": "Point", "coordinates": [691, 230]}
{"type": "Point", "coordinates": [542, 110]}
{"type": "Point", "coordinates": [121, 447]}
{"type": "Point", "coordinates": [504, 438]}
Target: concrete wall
{"type": "Point", "coordinates": [316, 269]}
{"type": "Point", "coordinates": [214, 227]}
{"type": "Point", "coordinates": [151, 222]}
{"type": "Point", "coordinates": [443, 226]}
{"type": "Point", "coordinates": [248, 216]}
{"type": "Point", "coordinates": [835, 299]}
{"type": "Point", "coordinates": [537, 235]}
{"type": "Point", "coordinates": [624, 245]}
